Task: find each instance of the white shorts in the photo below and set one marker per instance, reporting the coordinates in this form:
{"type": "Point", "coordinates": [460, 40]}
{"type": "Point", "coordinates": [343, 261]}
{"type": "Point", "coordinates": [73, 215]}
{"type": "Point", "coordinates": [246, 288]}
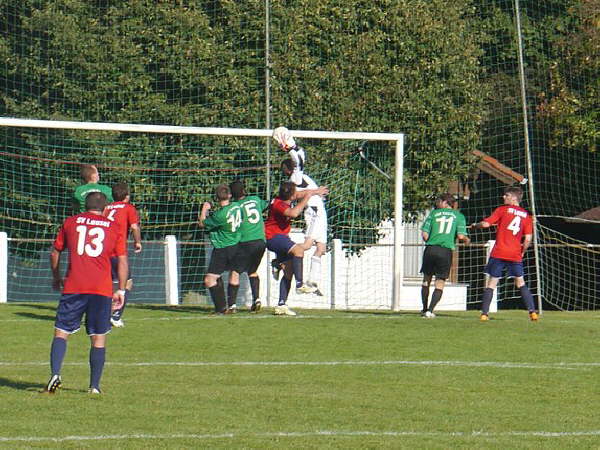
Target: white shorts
{"type": "Point", "coordinates": [316, 224]}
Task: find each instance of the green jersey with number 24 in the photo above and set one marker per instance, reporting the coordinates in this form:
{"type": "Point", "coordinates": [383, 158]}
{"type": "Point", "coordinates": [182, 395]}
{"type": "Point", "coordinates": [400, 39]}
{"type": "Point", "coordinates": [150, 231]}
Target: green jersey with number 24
{"type": "Point", "coordinates": [443, 225]}
{"type": "Point", "coordinates": [253, 227]}
{"type": "Point", "coordinates": [224, 226]}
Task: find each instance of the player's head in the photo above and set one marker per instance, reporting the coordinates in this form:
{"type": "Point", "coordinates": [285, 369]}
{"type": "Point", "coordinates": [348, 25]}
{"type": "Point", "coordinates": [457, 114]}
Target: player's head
{"type": "Point", "coordinates": [120, 191]}
{"type": "Point", "coordinates": [95, 201]}
{"type": "Point", "coordinates": [237, 189]}
{"type": "Point", "coordinates": [222, 193]}
{"type": "Point", "coordinates": [284, 138]}
{"type": "Point", "coordinates": [89, 173]}
{"type": "Point", "coordinates": [513, 195]}
{"type": "Point", "coordinates": [445, 200]}
{"type": "Point", "coordinates": [288, 166]}
{"type": "Point", "coordinates": [287, 189]}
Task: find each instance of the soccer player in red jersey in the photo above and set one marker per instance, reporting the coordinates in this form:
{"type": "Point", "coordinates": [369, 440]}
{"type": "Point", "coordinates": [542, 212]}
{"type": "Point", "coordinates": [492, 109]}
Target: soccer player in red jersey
{"type": "Point", "coordinates": [277, 229]}
{"type": "Point", "coordinates": [513, 237]}
{"type": "Point", "coordinates": [91, 240]}
{"type": "Point", "coordinates": [126, 218]}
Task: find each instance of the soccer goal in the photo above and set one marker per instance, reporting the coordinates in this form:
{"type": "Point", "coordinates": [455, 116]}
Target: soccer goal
{"type": "Point", "coordinates": [171, 170]}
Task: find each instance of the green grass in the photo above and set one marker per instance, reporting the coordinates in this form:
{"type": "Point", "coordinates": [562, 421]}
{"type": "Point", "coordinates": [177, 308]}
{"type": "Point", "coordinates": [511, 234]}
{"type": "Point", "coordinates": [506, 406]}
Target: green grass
{"type": "Point", "coordinates": [181, 378]}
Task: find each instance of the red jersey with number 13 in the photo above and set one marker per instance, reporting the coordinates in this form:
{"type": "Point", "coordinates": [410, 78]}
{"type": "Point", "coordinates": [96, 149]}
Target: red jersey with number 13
{"type": "Point", "coordinates": [513, 222]}
{"type": "Point", "coordinates": [91, 240]}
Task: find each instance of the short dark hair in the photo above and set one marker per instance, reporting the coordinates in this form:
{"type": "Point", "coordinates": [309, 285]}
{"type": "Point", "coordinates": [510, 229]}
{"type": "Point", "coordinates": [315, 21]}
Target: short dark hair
{"type": "Point", "coordinates": [287, 189]}
{"type": "Point", "coordinates": [95, 201]}
{"type": "Point", "coordinates": [237, 189]}
{"type": "Point", "coordinates": [86, 171]}
{"type": "Point", "coordinates": [516, 191]}
{"type": "Point", "coordinates": [288, 164]}
{"type": "Point", "coordinates": [120, 191]}
{"type": "Point", "coordinates": [222, 192]}
{"type": "Point", "coordinates": [447, 197]}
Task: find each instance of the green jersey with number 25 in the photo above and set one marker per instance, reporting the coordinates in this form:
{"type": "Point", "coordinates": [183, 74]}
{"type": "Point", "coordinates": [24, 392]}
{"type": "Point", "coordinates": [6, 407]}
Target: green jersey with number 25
{"type": "Point", "coordinates": [224, 226]}
{"type": "Point", "coordinates": [253, 227]}
{"type": "Point", "coordinates": [443, 225]}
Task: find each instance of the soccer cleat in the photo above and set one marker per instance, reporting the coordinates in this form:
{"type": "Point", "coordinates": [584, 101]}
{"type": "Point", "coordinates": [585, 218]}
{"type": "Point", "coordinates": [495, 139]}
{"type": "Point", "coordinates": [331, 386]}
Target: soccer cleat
{"type": "Point", "coordinates": [231, 310]}
{"type": "Point", "coordinates": [429, 315]}
{"type": "Point", "coordinates": [94, 390]}
{"type": "Point", "coordinates": [484, 318]}
{"type": "Point", "coordinates": [53, 384]}
{"type": "Point", "coordinates": [533, 316]}
{"type": "Point", "coordinates": [275, 269]}
{"type": "Point", "coordinates": [256, 306]}
{"type": "Point", "coordinates": [306, 289]}
{"type": "Point", "coordinates": [117, 323]}
{"type": "Point", "coordinates": [314, 285]}
{"type": "Point", "coordinates": [284, 310]}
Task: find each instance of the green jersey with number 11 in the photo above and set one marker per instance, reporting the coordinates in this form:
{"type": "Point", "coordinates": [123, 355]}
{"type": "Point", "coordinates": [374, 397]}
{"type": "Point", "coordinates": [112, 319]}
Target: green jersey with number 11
{"type": "Point", "coordinates": [224, 226]}
{"type": "Point", "coordinates": [253, 227]}
{"type": "Point", "coordinates": [443, 225]}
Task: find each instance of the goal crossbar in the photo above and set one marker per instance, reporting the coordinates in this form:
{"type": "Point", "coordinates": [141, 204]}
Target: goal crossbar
{"type": "Point", "coordinates": [172, 129]}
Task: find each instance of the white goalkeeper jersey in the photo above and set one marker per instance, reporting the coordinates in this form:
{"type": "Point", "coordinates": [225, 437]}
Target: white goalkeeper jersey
{"type": "Point", "coordinates": [306, 182]}
{"type": "Point", "coordinates": [298, 156]}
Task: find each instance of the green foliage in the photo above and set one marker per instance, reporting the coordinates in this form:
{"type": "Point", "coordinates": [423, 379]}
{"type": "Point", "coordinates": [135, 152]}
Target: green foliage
{"type": "Point", "coordinates": [570, 106]}
{"type": "Point", "coordinates": [444, 73]}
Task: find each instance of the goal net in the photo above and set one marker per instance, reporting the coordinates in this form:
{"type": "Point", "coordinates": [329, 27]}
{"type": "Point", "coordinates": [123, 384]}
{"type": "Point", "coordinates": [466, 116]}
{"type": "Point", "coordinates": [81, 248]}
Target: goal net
{"type": "Point", "coordinates": [171, 171]}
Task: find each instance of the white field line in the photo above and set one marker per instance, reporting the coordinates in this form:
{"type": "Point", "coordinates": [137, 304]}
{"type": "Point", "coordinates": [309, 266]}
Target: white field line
{"type": "Point", "coordinates": [444, 315]}
{"type": "Point", "coordinates": [270, 435]}
{"type": "Point", "coordinates": [491, 364]}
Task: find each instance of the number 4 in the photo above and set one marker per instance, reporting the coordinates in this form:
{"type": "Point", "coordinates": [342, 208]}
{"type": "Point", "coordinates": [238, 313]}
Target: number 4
{"type": "Point", "coordinates": [515, 225]}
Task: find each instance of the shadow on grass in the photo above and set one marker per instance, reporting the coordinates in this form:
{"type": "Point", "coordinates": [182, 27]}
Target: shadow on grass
{"type": "Point", "coordinates": [35, 316]}
{"type": "Point", "coordinates": [21, 385]}
{"type": "Point", "coordinates": [44, 306]}
{"type": "Point", "coordinates": [201, 309]}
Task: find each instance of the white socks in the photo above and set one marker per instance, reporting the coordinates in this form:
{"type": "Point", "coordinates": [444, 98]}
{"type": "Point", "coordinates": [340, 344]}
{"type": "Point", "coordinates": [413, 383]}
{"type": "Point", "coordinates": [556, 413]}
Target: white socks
{"type": "Point", "coordinates": [315, 269]}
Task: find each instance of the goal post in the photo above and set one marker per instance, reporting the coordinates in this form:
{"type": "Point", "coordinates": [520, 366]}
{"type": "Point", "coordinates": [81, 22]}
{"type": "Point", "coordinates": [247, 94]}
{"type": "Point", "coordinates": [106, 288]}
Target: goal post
{"type": "Point", "coordinates": [104, 144]}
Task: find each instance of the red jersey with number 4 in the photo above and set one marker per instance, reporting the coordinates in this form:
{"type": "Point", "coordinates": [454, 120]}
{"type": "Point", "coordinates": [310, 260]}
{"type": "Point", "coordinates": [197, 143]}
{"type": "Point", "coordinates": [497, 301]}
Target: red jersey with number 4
{"type": "Point", "coordinates": [513, 222]}
{"type": "Point", "coordinates": [91, 240]}
{"type": "Point", "coordinates": [277, 222]}
{"type": "Point", "coordinates": [123, 215]}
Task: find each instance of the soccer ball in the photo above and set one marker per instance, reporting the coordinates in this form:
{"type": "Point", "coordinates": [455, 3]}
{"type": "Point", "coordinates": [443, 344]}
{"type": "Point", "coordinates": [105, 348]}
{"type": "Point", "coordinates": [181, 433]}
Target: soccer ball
{"type": "Point", "coordinates": [284, 138]}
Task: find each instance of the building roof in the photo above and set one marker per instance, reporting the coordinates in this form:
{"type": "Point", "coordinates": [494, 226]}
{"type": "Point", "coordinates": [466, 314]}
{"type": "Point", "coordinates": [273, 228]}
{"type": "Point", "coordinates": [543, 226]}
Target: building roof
{"type": "Point", "coordinates": [498, 170]}
{"type": "Point", "coordinates": [589, 216]}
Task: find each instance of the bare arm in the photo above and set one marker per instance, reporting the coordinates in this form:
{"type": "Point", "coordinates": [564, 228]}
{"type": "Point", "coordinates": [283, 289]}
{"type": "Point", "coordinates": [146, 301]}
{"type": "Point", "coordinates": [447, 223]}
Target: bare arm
{"type": "Point", "coordinates": [297, 210]}
{"type": "Point", "coordinates": [321, 190]}
{"type": "Point", "coordinates": [304, 197]}
{"type": "Point", "coordinates": [55, 267]}
{"type": "Point", "coordinates": [482, 224]}
{"type": "Point", "coordinates": [137, 237]}
{"type": "Point", "coordinates": [526, 243]}
{"type": "Point", "coordinates": [122, 272]}
{"type": "Point", "coordinates": [203, 213]}
{"type": "Point", "coordinates": [425, 235]}
{"type": "Point", "coordinates": [463, 238]}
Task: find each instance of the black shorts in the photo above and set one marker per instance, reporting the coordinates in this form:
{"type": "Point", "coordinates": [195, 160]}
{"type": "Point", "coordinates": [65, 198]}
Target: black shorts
{"type": "Point", "coordinates": [437, 261]}
{"type": "Point", "coordinates": [224, 259]}
{"type": "Point", "coordinates": [250, 254]}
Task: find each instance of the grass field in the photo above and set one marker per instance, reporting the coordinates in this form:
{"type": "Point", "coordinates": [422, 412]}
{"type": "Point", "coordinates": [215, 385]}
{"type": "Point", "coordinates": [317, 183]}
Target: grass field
{"type": "Point", "coordinates": [181, 378]}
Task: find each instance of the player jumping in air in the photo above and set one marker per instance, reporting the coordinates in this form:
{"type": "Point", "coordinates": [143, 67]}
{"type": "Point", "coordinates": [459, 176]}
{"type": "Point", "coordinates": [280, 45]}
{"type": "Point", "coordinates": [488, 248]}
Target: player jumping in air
{"type": "Point", "coordinates": [315, 215]}
{"type": "Point", "coordinates": [513, 238]}
{"type": "Point", "coordinates": [277, 229]}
